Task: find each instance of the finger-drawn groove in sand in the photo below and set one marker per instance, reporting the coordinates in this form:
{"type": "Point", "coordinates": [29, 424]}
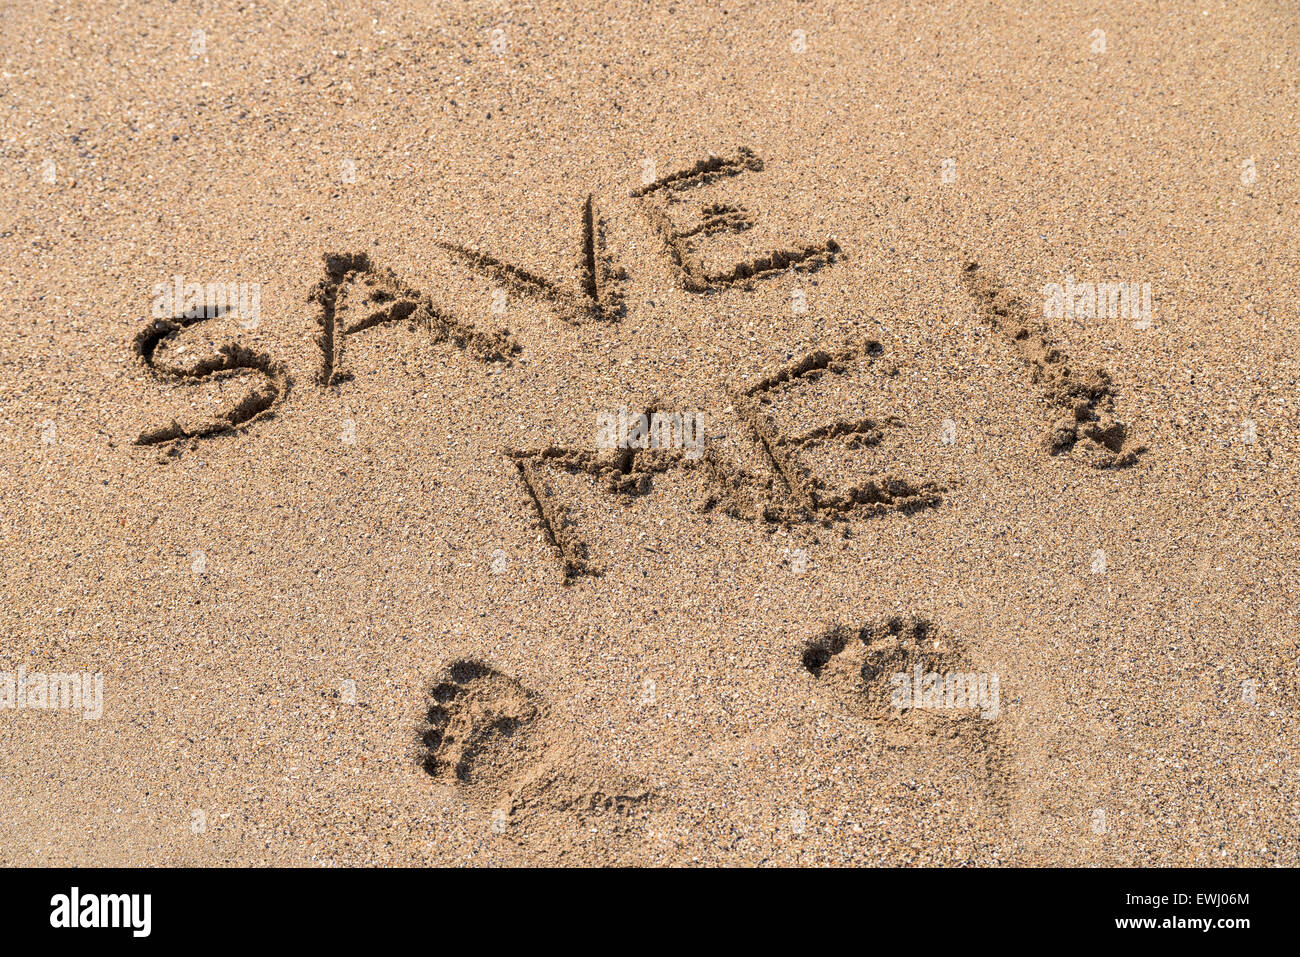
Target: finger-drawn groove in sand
{"type": "Point", "coordinates": [560, 531]}
{"type": "Point", "coordinates": [705, 171]}
{"type": "Point", "coordinates": [791, 493]}
{"type": "Point", "coordinates": [794, 493]}
{"type": "Point", "coordinates": [489, 735]}
{"type": "Point", "coordinates": [627, 471]}
{"type": "Point", "coordinates": [353, 284]}
{"type": "Point", "coordinates": [1087, 430]}
{"type": "Point", "coordinates": [231, 360]}
{"type": "Point", "coordinates": [600, 293]}
{"type": "Point", "coordinates": [918, 686]}
{"type": "Point", "coordinates": [664, 194]}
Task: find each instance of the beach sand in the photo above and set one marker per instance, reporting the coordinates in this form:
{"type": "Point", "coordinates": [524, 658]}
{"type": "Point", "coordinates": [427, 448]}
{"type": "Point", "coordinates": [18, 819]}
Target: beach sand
{"type": "Point", "coordinates": [363, 589]}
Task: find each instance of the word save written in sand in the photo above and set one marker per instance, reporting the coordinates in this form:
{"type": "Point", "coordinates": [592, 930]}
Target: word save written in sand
{"type": "Point", "coordinates": [356, 295]}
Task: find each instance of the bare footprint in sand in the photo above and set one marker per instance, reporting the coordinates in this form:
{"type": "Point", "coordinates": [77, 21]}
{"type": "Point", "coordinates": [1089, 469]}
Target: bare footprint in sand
{"type": "Point", "coordinates": [481, 728]}
{"type": "Point", "coordinates": [495, 739]}
{"type": "Point", "coordinates": [919, 687]}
